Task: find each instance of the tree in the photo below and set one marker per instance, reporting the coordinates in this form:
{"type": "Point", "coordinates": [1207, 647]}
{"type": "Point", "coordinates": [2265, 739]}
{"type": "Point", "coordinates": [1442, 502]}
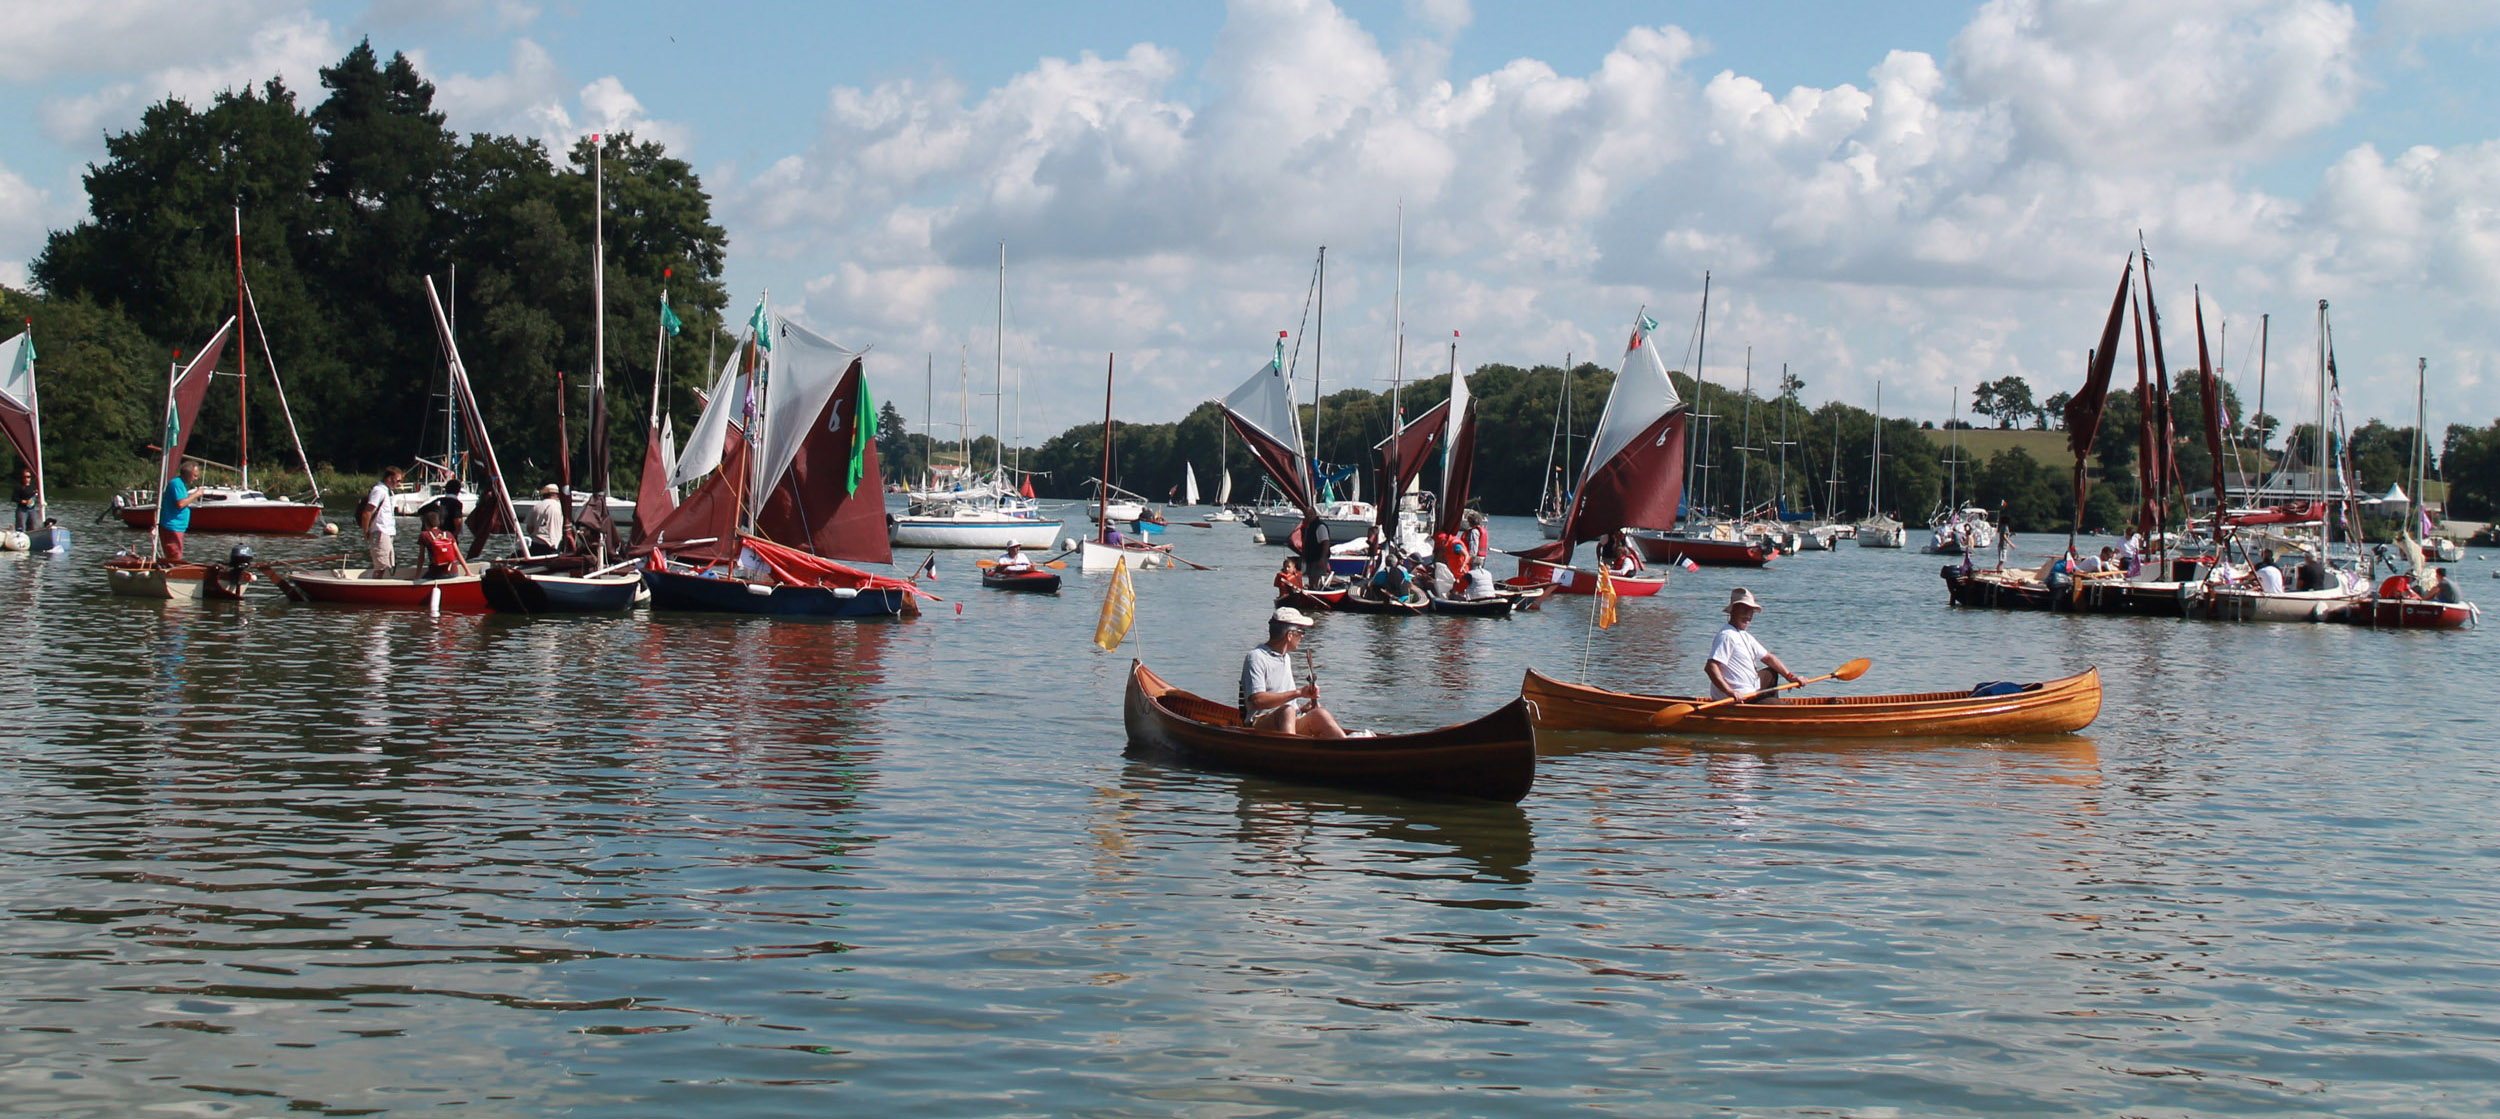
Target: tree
{"type": "Point", "coordinates": [101, 382]}
{"type": "Point", "coordinates": [2053, 410]}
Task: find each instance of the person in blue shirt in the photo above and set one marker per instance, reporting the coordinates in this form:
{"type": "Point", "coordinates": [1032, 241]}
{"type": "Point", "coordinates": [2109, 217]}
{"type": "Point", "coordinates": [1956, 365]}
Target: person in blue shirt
{"type": "Point", "coordinates": [173, 511]}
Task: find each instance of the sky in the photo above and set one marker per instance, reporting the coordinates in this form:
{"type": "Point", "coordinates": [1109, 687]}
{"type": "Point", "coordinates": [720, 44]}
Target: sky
{"type": "Point", "coordinates": [1925, 195]}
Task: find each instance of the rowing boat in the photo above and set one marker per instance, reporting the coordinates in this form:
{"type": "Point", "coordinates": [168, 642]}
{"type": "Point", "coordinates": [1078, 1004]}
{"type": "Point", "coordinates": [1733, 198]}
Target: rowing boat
{"type": "Point", "coordinates": [1030, 580]}
{"type": "Point", "coordinates": [1493, 757]}
{"type": "Point", "coordinates": [1312, 600]}
{"type": "Point", "coordinates": [2059, 706]}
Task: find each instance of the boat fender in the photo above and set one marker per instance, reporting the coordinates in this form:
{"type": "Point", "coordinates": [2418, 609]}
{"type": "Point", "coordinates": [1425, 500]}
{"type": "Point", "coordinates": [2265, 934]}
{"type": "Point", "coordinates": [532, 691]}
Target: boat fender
{"type": "Point", "coordinates": [1995, 688]}
{"type": "Point", "coordinates": [759, 588]}
{"type": "Point", "coordinates": [845, 592]}
{"type": "Point", "coordinates": [1068, 544]}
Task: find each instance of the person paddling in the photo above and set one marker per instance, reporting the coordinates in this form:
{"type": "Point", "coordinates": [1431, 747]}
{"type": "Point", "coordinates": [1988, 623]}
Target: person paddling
{"type": "Point", "coordinates": [1739, 666]}
{"type": "Point", "coordinates": [1270, 700]}
{"type": "Point", "coordinates": [1013, 562]}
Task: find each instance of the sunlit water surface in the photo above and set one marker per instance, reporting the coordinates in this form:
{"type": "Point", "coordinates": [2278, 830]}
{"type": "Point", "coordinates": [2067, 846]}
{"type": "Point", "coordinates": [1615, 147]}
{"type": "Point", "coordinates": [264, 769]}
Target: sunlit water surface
{"type": "Point", "coordinates": [271, 859]}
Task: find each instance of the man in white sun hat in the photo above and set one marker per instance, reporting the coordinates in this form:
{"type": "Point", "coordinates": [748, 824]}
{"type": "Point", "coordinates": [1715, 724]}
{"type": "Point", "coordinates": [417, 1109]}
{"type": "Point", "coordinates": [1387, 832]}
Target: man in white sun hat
{"type": "Point", "coordinates": [1739, 666]}
{"type": "Point", "coordinates": [1270, 700]}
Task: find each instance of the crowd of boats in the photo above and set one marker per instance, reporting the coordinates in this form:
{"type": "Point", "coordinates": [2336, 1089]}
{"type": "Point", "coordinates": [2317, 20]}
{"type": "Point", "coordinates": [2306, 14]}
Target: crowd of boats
{"type": "Point", "coordinates": [778, 492]}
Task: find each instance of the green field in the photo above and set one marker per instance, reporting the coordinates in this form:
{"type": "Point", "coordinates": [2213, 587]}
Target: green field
{"type": "Point", "coordinates": [1981, 444]}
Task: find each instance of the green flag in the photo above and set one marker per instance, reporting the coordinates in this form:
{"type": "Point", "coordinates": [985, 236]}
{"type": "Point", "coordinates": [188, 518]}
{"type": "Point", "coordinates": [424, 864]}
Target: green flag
{"type": "Point", "coordinates": [863, 436]}
{"type": "Point", "coordinates": [173, 426]}
{"type": "Point", "coordinates": [668, 318]}
{"type": "Point", "coordinates": [761, 322]}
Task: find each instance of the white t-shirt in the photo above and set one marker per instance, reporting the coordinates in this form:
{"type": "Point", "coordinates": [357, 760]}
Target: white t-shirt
{"type": "Point", "coordinates": [1014, 561]}
{"type": "Point", "coordinates": [380, 499]}
{"type": "Point", "coordinates": [2086, 565]}
{"type": "Point", "coordinates": [1264, 670]}
{"type": "Point", "coordinates": [1479, 584]}
{"type": "Point", "coordinates": [1739, 658]}
{"type": "Point", "coordinates": [2270, 579]}
{"type": "Point", "coordinates": [547, 521]}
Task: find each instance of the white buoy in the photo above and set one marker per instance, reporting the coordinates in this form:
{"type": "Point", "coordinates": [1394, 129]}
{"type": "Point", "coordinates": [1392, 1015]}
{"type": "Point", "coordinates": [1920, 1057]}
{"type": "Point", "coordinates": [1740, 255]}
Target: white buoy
{"type": "Point", "coordinates": [434, 600]}
{"type": "Point", "coordinates": [1068, 545]}
{"type": "Point", "coordinates": [329, 529]}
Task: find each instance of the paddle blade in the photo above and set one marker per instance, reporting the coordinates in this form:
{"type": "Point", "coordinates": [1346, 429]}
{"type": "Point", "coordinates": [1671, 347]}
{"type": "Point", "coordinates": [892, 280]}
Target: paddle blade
{"type": "Point", "coordinates": [1670, 715]}
{"type": "Point", "coordinates": [1853, 669]}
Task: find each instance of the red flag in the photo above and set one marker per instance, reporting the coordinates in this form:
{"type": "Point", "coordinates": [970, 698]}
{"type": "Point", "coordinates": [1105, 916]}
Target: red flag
{"type": "Point", "coordinates": [1027, 490]}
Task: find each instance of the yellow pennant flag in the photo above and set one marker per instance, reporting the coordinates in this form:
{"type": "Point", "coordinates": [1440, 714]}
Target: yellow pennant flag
{"type": "Point", "coordinates": [1119, 609]}
{"type": "Point", "coordinates": [1605, 600]}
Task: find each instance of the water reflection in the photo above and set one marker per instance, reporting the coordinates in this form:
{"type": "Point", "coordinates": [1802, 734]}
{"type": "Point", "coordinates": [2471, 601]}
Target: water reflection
{"type": "Point", "coordinates": [1301, 829]}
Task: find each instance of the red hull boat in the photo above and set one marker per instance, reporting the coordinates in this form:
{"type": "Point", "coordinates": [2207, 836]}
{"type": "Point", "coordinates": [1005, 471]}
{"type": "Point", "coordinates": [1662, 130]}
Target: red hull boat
{"type": "Point", "coordinates": [2412, 613]}
{"type": "Point", "coordinates": [457, 594]}
{"type": "Point", "coordinates": [234, 514]}
{"type": "Point", "coordinates": [1572, 580]}
{"type": "Point", "coordinates": [1672, 548]}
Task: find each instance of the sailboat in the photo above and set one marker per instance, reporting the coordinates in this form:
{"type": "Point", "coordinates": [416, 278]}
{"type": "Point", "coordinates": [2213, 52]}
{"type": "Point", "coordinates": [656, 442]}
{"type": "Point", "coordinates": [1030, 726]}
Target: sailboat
{"type": "Point", "coordinates": [993, 514]}
{"type": "Point", "coordinates": [1878, 530]}
{"type": "Point", "coordinates": [458, 593]}
{"type": "Point", "coordinates": [1632, 476]}
{"type": "Point", "coordinates": [1096, 553]}
{"type": "Point", "coordinates": [1223, 482]}
{"type": "Point", "coordinates": [21, 419]}
{"type": "Point", "coordinates": [1554, 499]}
{"type": "Point", "coordinates": [239, 507]}
{"type": "Point", "coordinates": [1702, 540]}
{"type": "Point", "coordinates": [585, 583]}
{"type": "Point", "coordinates": [1189, 486]}
{"type": "Point", "coordinates": [1347, 519]}
{"type": "Point", "coordinates": [1958, 528]}
{"type": "Point", "coordinates": [151, 575]}
{"type": "Point", "coordinates": [789, 490]}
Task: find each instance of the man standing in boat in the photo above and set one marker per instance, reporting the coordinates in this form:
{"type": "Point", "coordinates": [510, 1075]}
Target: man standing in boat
{"type": "Point", "coordinates": [376, 519]}
{"type": "Point", "coordinates": [1270, 700]}
{"type": "Point", "coordinates": [26, 494]}
{"type": "Point", "coordinates": [1739, 666]}
{"type": "Point", "coordinates": [173, 511]}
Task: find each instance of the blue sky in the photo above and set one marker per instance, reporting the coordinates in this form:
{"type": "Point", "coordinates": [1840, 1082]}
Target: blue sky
{"type": "Point", "coordinates": [1925, 194]}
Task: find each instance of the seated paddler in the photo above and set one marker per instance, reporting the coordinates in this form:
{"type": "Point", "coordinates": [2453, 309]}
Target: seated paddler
{"type": "Point", "coordinates": [1739, 667]}
{"type": "Point", "coordinates": [1013, 561]}
{"type": "Point", "coordinates": [1270, 700]}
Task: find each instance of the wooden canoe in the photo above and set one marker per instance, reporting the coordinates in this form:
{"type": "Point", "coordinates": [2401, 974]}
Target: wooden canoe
{"type": "Point", "coordinates": [1493, 757]}
{"type": "Point", "coordinates": [2055, 707]}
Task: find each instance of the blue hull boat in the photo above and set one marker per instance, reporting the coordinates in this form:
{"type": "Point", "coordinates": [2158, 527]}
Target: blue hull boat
{"type": "Point", "coordinates": [511, 590]}
{"type": "Point", "coordinates": [677, 590]}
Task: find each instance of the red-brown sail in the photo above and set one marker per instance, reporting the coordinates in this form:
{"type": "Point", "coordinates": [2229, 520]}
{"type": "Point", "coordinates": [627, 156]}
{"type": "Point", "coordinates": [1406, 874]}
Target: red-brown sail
{"type": "Point", "coordinates": [1635, 472]}
{"type": "Point", "coordinates": [815, 506]}
{"type": "Point", "coordinates": [2083, 410]}
{"type": "Point", "coordinates": [1460, 480]}
{"type": "Point", "coordinates": [190, 387]}
{"type": "Point", "coordinates": [1403, 455]}
{"type": "Point", "coordinates": [653, 499]}
{"type": "Point", "coordinates": [705, 528]}
{"type": "Point", "coordinates": [1262, 413]}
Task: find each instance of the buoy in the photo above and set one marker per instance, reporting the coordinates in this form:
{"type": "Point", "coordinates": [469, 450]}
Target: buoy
{"type": "Point", "coordinates": [759, 588]}
{"type": "Point", "coordinates": [434, 600]}
{"type": "Point", "coordinates": [329, 529]}
{"type": "Point", "coordinates": [1258, 537]}
{"type": "Point", "coordinates": [1068, 545]}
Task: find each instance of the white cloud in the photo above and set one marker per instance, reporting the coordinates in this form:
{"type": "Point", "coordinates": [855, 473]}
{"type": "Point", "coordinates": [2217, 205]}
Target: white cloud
{"type": "Point", "coordinates": [292, 47]}
{"type": "Point", "coordinates": [534, 97]}
{"type": "Point", "coordinates": [51, 39]}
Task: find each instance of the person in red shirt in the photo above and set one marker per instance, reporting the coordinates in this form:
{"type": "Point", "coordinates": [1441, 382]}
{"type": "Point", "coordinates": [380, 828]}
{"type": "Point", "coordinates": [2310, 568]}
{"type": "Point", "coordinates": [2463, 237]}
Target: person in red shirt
{"type": "Point", "coordinates": [441, 551]}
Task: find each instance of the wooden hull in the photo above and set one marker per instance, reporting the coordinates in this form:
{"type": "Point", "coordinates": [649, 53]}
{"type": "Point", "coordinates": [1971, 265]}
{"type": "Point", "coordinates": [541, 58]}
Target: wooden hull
{"type": "Point", "coordinates": [2054, 707]}
{"type": "Point", "coordinates": [1572, 580]}
{"type": "Point", "coordinates": [2082, 596]}
{"type": "Point", "coordinates": [453, 594]}
{"type": "Point", "coordinates": [1032, 582]}
{"type": "Point", "coordinates": [1312, 600]}
{"type": "Point", "coordinates": [511, 590]}
{"type": "Point", "coordinates": [2411, 613]}
{"type": "Point", "coordinates": [2236, 604]}
{"type": "Point", "coordinates": [1493, 757]}
{"type": "Point", "coordinates": [677, 590]}
{"type": "Point", "coordinates": [266, 517]}
{"type": "Point", "coordinates": [1991, 591]}
{"type": "Point", "coordinates": [1668, 548]}
{"type": "Point", "coordinates": [1499, 606]}
{"type": "Point", "coordinates": [1401, 608]}
{"type": "Point", "coordinates": [1106, 557]}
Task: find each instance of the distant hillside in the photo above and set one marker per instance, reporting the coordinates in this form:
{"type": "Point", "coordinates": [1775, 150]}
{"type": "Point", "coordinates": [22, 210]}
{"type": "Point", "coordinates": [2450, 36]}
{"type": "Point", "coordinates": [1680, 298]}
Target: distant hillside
{"type": "Point", "coordinates": [1981, 444]}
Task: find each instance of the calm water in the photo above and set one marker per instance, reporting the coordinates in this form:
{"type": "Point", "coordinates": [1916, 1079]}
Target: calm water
{"type": "Point", "coordinates": [273, 859]}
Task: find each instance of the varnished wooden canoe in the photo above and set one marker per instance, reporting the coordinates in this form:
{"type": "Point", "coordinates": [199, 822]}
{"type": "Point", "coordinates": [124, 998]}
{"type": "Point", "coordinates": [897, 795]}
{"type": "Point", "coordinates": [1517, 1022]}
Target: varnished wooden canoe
{"type": "Point", "coordinates": [1493, 757]}
{"type": "Point", "coordinates": [2054, 707]}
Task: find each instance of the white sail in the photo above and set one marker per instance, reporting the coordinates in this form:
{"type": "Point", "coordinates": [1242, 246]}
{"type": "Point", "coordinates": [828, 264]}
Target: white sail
{"type": "Point", "coordinates": [711, 432]}
{"type": "Point", "coordinates": [17, 393]}
{"type": "Point", "coordinates": [1189, 484]}
{"type": "Point", "coordinates": [1457, 417]}
{"type": "Point", "coordinates": [1224, 489]}
{"type": "Point", "coordinates": [1265, 404]}
{"type": "Point", "coordinates": [1642, 393]}
{"type": "Point", "coordinates": [804, 370]}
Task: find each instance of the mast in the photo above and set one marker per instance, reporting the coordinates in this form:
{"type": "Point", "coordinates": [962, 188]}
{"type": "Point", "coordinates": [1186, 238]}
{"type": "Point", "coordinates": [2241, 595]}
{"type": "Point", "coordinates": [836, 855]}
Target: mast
{"type": "Point", "coordinates": [1875, 460]}
{"type": "Point", "coordinates": [1779, 504]}
{"type": "Point", "coordinates": [998, 377]}
{"type": "Point", "coordinates": [928, 423]}
{"type": "Point", "coordinates": [2265, 325]}
{"type": "Point", "coordinates": [1695, 498]}
{"type": "Point", "coordinates": [1102, 492]}
{"type": "Point", "coordinates": [242, 369]}
{"type": "Point", "coordinates": [1397, 361]}
{"type": "Point", "coordinates": [1319, 335]}
{"type": "Point", "coordinates": [1546, 491]}
{"type": "Point", "coordinates": [1953, 460]}
{"type": "Point", "coordinates": [2326, 512]}
{"type": "Point", "coordinates": [596, 442]}
{"type": "Point", "coordinates": [2421, 446]}
{"type": "Point", "coordinates": [1744, 444]}
{"type": "Point", "coordinates": [451, 400]}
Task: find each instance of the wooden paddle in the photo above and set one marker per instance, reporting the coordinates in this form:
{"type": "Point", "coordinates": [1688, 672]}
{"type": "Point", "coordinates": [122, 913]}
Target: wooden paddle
{"type": "Point", "coordinates": [1060, 565]}
{"type": "Point", "coordinates": [1674, 713]}
{"type": "Point", "coordinates": [1193, 563]}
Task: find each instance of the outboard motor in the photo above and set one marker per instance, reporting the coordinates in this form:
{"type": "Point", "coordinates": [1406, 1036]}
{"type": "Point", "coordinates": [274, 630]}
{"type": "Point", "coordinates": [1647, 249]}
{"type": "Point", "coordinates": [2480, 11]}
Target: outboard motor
{"type": "Point", "coordinates": [240, 557]}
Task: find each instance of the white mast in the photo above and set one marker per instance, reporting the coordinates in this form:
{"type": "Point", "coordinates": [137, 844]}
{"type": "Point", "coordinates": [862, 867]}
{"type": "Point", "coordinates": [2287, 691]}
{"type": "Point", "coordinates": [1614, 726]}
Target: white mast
{"type": "Point", "coordinates": [2326, 517]}
{"type": "Point", "coordinates": [998, 376]}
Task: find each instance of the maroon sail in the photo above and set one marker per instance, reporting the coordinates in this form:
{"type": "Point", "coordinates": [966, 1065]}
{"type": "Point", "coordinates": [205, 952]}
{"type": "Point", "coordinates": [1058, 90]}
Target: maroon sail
{"type": "Point", "coordinates": [2148, 461]}
{"type": "Point", "coordinates": [1403, 455]}
{"type": "Point", "coordinates": [2163, 468]}
{"type": "Point", "coordinates": [705, 528]}
{"type": "Point", "coordinates": [1262, 412]}
{"type": "Point", "coordinates": [2083, 410]}
{"type": "Point", "coordinates": [653, 499]}
{"type": "Point", "coordinates": [1635, 471]}
{"type": "Point", "coordinates": [1459, 482]}
{"type": "Point", "coordinates": [190, 387]}
{"type": "Point", "coordinates": [814, 506]}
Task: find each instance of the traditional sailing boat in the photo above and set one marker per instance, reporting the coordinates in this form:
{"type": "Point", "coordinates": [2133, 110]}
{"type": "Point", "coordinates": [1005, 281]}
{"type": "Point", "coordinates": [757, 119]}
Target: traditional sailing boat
{"type": "Point", "coordinates": [1553, 499]}
{"type": "Point", "coordinates": [153, 576]}
{"type": "Point", "coordinates": [21, 419]}
{"type": "Point", "coordinates": [1097, 553]}
{"type": "Point", "coordinates": [1633, 475]}
{"type": "Point", "coordinates": [239, 507]}
{"type": "Point", "coordinates": [586, 582]}
{"type": "Point", "coordinates": [788, 490]}
{"type": "Point", "coordinates": [454, 592]}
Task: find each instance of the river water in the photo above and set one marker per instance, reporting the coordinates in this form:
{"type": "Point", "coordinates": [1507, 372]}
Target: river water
{"type": "Point", "coordinates": [264, 858]}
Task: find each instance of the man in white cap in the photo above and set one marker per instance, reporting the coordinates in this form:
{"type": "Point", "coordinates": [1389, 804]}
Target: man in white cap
{"type": "Point", "coordinates": [547, 518]}
{"type": "Point", "coordinates": [1739, 666]}
{"type": "Point", "coordinates": [1270, 700]}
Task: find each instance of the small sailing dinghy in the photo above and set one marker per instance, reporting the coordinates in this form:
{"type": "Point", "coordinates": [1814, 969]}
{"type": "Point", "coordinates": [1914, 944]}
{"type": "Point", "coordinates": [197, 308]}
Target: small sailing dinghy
{"type": "Point", "coordinates": [1632, 477]}
{"type": "Point", "coordinates": [1493, 757]}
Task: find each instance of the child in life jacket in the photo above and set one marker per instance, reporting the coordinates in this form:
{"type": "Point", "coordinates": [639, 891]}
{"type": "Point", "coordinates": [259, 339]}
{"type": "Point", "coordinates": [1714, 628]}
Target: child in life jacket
{"type": "Point", "coordinates": [441, 552]}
